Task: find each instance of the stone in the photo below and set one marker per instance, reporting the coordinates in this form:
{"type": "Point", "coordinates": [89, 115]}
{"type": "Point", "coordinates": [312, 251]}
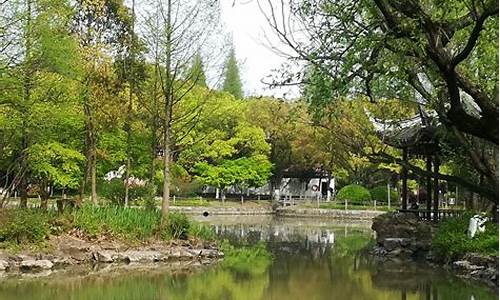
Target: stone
{"type": "Point", "coordinates": [466, 265]}
{"type": "Point", "coordinates": [104, 256]}
{"type": "Point", "coordinates": [4, 265]}
{"type": "Point", "coordinates": [34, 265]}
{"type": "Point", "coordinates": [144, 256]}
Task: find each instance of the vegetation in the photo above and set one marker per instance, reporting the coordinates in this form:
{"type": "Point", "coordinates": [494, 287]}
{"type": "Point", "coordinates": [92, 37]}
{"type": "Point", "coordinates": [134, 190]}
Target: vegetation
{"type": "Point", "coordinates": [31, 227]}
{"type": "Point", "coordinates": [380, 194]}
{"type": "Point", "coordinates": [451, 242]}
{"type": "Point", "coordinates": [252, 260]}
{"type": "Point", "coordinates": [354, 194]}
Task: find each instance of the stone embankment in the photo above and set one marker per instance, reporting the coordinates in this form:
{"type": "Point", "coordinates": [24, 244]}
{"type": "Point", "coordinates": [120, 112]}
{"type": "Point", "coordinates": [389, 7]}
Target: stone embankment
{"type": "Point", "coordinates": [402, 236]}
{"type": "Point", "coordinates": [71, 251]}
{"type": "Point", "coordinates": [327, 213]}
{"type": "Point", "coordinates": [216, 211]}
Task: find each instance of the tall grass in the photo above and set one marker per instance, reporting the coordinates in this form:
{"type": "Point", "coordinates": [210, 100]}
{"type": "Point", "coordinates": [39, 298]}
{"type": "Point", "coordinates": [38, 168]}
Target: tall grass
{"type": "Point", "coordinates": [26, 227]}
{"type": "Point", "coordinates": [118, 221]}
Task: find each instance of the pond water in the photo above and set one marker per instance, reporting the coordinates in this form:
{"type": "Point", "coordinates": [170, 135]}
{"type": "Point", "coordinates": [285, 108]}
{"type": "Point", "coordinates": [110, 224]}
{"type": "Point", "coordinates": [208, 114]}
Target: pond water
{"type": "Point", "coordinates": [311, 259]}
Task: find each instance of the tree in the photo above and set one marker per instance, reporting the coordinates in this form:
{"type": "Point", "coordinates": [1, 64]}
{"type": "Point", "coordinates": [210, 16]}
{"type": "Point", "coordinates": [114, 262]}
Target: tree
{"type": "Point", "coordinates": [197, 72]}
{"type": "Point", "coordinates": [37, 69]}
{"type": "Point", "coordinates": [176, 30]}
{"type": "Point", "coordinates": [232, 82]}
{"type": "Point", "coordinates": [99, 25]}
{"type": "Point", "coordinates": [437, 53]}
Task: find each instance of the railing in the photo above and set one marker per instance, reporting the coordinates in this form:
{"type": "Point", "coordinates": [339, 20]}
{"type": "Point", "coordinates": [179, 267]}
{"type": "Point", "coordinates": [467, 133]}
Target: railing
{"type": "Point", "coordinates": [424, 214]}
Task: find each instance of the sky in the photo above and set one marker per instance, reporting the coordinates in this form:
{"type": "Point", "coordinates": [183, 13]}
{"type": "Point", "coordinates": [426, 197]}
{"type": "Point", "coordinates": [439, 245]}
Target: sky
{"type": "Point", "coordinates": [248, 26]}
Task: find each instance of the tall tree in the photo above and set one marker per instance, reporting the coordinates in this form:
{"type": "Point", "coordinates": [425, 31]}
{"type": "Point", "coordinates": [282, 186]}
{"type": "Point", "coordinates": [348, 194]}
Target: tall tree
{"type": "Point", "coordinates": [39, 50]}
{"type": "Point", "coordinates": [232, 81]}
{"type": "Point", "coordinates": [177, 30]}
{"type": "Point", "coordinates": [99, 25]}
{"type": "Point", "coordinates": [197, 72]}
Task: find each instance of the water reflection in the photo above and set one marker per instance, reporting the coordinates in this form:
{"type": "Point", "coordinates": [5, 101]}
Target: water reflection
{"type": "Point", "coordinates": [311, 260]}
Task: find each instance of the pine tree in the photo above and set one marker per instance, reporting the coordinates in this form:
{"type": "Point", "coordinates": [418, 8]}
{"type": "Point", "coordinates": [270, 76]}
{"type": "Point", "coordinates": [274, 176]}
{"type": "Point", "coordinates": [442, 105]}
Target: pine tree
{"type": "Point", "coordinates": [197, 73]}
{"type": "Point", "coordinates": [232, 82]}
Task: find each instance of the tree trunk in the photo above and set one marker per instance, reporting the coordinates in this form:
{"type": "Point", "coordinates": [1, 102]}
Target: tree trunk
{"type": "Point", "coordinates": [166, 174]}
{"type": "Point", "coordinates": [44, 196]}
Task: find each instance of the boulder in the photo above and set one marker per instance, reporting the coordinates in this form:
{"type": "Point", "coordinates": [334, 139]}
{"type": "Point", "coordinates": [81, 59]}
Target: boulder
{"type": "Point", "coordinates": [466, 265]}
{"type": "Point", "coordinates": [36, 265]}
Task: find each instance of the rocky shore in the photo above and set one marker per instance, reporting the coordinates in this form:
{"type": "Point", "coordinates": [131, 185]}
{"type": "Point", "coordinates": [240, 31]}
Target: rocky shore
{"type": "Point", "coordinates": [401, 236]}
{"type": "Point", "coordinates": [66, 251]}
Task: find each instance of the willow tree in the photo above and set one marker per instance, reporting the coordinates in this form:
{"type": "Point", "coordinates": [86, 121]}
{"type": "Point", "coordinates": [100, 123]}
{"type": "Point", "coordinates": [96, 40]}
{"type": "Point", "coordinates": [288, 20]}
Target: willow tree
{"type": "Point", "coordinates": [175, 31]}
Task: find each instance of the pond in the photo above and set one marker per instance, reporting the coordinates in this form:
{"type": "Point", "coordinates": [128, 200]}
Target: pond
{"type": "Point", "coordinates": [311, 259]}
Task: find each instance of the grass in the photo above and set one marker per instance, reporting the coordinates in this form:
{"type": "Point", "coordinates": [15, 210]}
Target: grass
{"type": "Point", "coordinates": [451, 242]}
{"type": "Point", "coordinates": [30, 228]}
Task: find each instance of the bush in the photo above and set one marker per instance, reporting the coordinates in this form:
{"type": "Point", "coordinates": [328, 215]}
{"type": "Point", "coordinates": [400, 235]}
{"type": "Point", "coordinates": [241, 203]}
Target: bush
{"type": "Point", "coordinates": [178, 225]}
{"type": "Point", "coordinates": [114, 191]}
{"type": "Point", "coordinates": [21, 226]}
{"type": "Point", "coordinates": [354, 193]}
{"type": "Point", "coordinates": [451, 242]}
{"type": "Point", "coordinates": [379, 194]}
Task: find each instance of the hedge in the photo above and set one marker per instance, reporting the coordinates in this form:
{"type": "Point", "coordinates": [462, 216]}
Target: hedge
{"type": "Point", "coordinates": [355, 194]}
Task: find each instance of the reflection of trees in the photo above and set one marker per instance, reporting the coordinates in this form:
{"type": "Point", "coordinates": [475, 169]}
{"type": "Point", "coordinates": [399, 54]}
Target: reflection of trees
{"type": "Point", "coordinates": [431, 284]}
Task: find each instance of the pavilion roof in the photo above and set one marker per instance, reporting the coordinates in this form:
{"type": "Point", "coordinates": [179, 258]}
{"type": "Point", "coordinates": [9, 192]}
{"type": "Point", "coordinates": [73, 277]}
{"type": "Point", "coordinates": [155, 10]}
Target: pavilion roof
{"type": "Point", "coordinates": [418, 133]}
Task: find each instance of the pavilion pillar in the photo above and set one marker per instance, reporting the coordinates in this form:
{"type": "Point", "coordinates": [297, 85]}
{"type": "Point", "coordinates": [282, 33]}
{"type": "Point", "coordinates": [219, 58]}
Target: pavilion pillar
{"type": "Point", "coordinates": [436, 188]}
{"type": "Point", "coordinates": [404, 178]}
{"type": "Point", "coordinates": [429, 187]}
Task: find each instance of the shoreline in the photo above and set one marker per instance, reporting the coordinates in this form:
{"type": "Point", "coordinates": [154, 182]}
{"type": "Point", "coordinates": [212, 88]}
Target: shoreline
{"type": "Point", "coordinates": [289, 212]}
{"type": "Point", "coordinates": [67, 252]}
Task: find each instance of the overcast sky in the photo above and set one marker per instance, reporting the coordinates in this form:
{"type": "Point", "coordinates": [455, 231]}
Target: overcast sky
{"type": "Point", "coordinates": [248, 26]}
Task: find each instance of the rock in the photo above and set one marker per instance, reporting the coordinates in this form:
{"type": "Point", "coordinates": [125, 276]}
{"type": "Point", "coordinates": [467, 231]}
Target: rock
{"type": "Point", "coordinates": [35, 265]}
{"type": "Point", "coordinates": [466, 265]}
{"type": "Point", "coordinates": [206, 253]}
{"type": "Point", "coordinates": [481, 260]}
{"type": "Point", "coordinates": [4, 265]}
{"type": "Point", "coordinates": [144, 256]}
{"type": "Point", "coordinates": [105, 256]}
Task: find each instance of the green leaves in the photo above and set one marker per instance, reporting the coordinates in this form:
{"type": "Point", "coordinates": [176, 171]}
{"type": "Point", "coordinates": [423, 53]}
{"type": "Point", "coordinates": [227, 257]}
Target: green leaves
{"type": "Point", "coordinates": [56, 163]}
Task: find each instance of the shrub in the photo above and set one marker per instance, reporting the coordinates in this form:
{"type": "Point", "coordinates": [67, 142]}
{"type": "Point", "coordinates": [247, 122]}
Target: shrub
{"type": "Point", "coordinates": [379, 194]}
{"type": "Point", "coordinates": [178, 225]}
{"type": "Point", "coordinates": [451, 242]}
{"type": "Point", "coordinates": [114, 191]}
{"type": "Point", "coordinates": [354, 194]}
{"type": "Point", "coordinates": [21, 226]}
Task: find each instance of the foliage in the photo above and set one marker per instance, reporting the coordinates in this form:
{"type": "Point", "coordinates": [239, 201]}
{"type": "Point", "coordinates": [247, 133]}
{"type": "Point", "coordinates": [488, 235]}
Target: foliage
{"type": "Point", "coordinates": [252, 260]}
{"type": "Point", "coordinates": [451, 242]}
{"type": "Point", "coordinates": [114, 191]}
{"type": "Point", "coordinates": [232, 82]}
{"type": "Point", "coordinates": [56, 163]}
{"type": "Point", "coordinates": [354, 193]}
{"type": "Point", "coordinates": [201, 231]}
{"type": "Point", "coordinates": [178, 225]}
{"type": "Point", "coordinates": [23, 226]}
{"type": "Point", "coordinates": [379, 194]}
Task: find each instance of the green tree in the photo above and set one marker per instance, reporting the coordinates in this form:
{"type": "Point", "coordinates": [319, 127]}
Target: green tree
{"type": "Point", "coordinates": [232, 81]}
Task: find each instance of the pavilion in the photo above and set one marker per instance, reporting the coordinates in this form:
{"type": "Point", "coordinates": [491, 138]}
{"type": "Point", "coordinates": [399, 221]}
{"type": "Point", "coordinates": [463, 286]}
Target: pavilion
{"type": "Point", "coordinates": [416, 137]}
